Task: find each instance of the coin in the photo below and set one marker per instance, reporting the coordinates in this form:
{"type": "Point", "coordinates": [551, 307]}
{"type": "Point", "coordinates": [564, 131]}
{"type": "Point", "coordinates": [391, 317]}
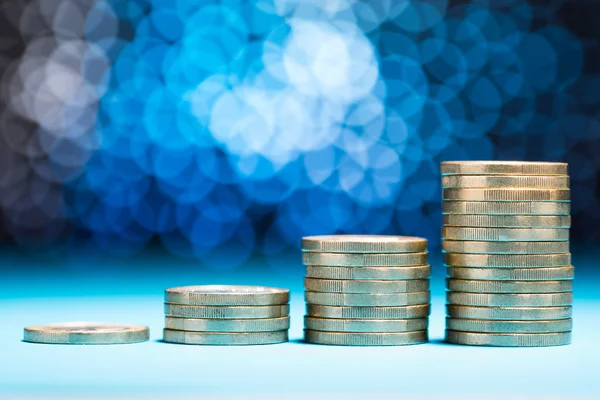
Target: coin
{"type": "Point", "coordinates": [364, 244]}
{"type": "Point", "coordinates": [471, 286]}
{"type": "Point", "coordinates": [233, 312]}
{"type": "Point", "coordinates": [365, 260]}
{"type": "Point", "coordinates": [228, 325]}
{"type": "Point", "coordinates": [488, 326]}
{"type": "Point", "coordinates": [506, 234]}
{"type": "Point", "coordinates": [86, 333]}
{"type": "Point", "coordinates": [506, 194]}
{"type": "Point", "coordinates": [508, 260]}
{"type": "Point", "coordinates": [368, 273]}
{"type": "Point", "coordinates": [362, 299]}
{"type": "Point", "coordinates": [471, 247]}
{"type": "Point", "coordinates": [355, 286]}
{"type": "Point", "coordinates": [504, 181]}
{"type": "Point", "coordinates": [508, 221]}
{"type": "Point", "coordinates": [365, 325]}
{"type": "Point", "coordinates": [509, 339]}
{"type": "Point", "coordinates": [365, 339]}
{"type": "Point", "coordinates": [224, 339]}
{"type": "Point", "coordinates": [506, 208]}
{"type": "Point", "coordinates": [503, 168]}
{"type": "Point", "coordinates": [509, 300]}
{"type": "Point", "coordinates": [512, 274]}
{"type": "Point", "coordinates": [509, 313]}
{"type": "Point", "coordinates": [403, 312]}
{"type": "Point", "coordinates": [224, 295]}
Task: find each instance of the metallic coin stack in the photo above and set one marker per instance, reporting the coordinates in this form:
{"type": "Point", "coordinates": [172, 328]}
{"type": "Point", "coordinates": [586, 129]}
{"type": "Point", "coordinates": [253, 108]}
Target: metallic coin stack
{"type": "Point", "coordinates": [506, 248]}
{"type": "Point", "coordinates": [366, 290]}
{"type": "Point", "coordinates": [226, 315]}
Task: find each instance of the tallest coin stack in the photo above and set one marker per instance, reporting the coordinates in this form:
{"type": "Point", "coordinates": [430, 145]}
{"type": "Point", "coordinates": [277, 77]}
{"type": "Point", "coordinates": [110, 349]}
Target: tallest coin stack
{"type": "Point", "coordinates": [506, 249]}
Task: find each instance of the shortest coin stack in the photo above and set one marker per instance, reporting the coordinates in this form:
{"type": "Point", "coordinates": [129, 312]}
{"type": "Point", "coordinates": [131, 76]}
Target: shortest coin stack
{"type": "Point", "coordinates": [226, 315]}
{"type": "Point", "coordinates": [366, 290]}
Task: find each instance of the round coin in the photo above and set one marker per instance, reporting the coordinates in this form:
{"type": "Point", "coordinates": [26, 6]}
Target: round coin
{"type": "Point", "coordinates": [504, 181]}
{"type": "Point", "coordinates": [506, 208]}
{"type": "Point", "coordinates": [364, 244]}
{"type": "Point", "coordinates": [506, 194]}
{"type": "Point", "coordinates": [228, 325]}
{"type": "Point", "coordinates": [365, 325]}
{"type": "Point", "coordinates": [471, 247]}
{"type": "Point", "coordinates": [365, 260]}
{"type": "Point", "coordinates": [354, 286]}
{"type": "Point", "coordinates": [227, 295]}
{"type": "Point", "coordinates": [508, 221]}
{"type": "Point", "coordinates": [224, 339]}
{"type": "Point", "coordinates": [508, 260]}
{"type": "Point", "coordinates": [512, 274]}
{"type": "Point", "coordinates": [503, 168]}
{"type": "Point", "coordinates": [404, 312]}
{"type": "Point", "coordinates": [510, 300]}
{"type": "Point", "coordinates": [231, 312]}
{"type": "Point", "coordinates": [365, 339]}
{"type": "Point", "coordinates": [488, 326]}
{"type": "Point", "coordinates": [362, 299]}
{"type": "Point", "coordinates": [509, 313]}
{"type": "Point", "coordinates": [509, 339]}
{"type": "Point", "coordinates": [471, 286]}
{"type": "Point", "coordinates": [505, 234]}
{"type": "Point", "coordinates": [86, 333]}
{"type": "Point", "coordinates": [369, 273]}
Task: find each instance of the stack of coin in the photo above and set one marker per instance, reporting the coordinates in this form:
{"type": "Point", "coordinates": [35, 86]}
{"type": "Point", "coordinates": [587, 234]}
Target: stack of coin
{"type": "Point", "coordinates": [226, 315]}
{"type": "Point", "coordinates": [506, 249]}
{"type": "Point", "coordinates": [366, 290]}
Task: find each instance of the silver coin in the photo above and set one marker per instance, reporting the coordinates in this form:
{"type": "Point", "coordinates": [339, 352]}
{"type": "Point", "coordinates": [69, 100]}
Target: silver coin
{"type": "Point", "coordinates": [224, 339]}
{"type": "Point", "coordinates": [362, 299]}
{"type": "Point", "coordinates": [227, 295]}
{"type": "Point", "coordinates": [86, 333]}
{"type": "Point", "coordinates": [369, 273]}
{"type": "Point", "coordinates": [227, 312]}
{"type": "Point", "coordinates": [490, 326]}
{"type": "Point", "coordinates": [505, 181]}
{"type": "Point", "coordinates": [228, 325]}
{"type": "Point", "coordinates": [510, 300]}
{"type": "Point", "coordinates": [503, 168]}
{"type": "Point", "coordinates": [364, 244]}
{"type": "Point", "coordinates": [509, 339]}
{"type": "Point", "coordinates": [365, 325]}
{"type": "Point", "coordinates": [365, 339]}
{"type": "Point", "coordinates": [352, 312]}
{"type": "Point", "coordinates": [506, 208]}
{"type": "Point", "coordinates": [507, 221]}
{"type": "Point", "coordinates": [506, 234]}
{"type": "Point", "coordinates": [355, 286]}
{"type": "Point", "coordinates": [512, 274]}
{"type": "Point", "coordinates": [508, 260]}
{"type": "Point", "coordinates": [364, 260]}
{"type": "Point", "coordinates": [510, 313]}
{"type": "Point", "coordinates": [471, 247]}
{"type": "Point", "coordinates": [471, 286]}
{"type": "Point", "coordinates": [506, 194]}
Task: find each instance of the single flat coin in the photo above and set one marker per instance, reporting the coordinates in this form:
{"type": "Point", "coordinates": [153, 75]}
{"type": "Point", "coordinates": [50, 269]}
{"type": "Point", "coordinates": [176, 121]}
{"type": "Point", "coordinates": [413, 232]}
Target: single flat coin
{"type": "Point", "coordinates": [506, 208]}
{"type": "Point", "coordinates": [228, 312]}
{"type": "Point", "coordinates": [472, 247]}
{"type": "Point", "coordinates": [506, 234]}
{"type": "Point", "coordinates": [364, 244]}
{"type": "Point", "coordinates": [224, 339]}
{"type": "Point", "coordinates": [503, 168]}
{"type": "Point", "coordinates": [510, 313]}
{"type": "Point", "coordinates": [506, 194]}
{"type": "Point", "coordinates": [510, 300]}
{"type": "Point", "coordinates": [227, 295]}
{"type": "Point", "coordinates": [365, 260]}
{"type": "Point", "coordinates": [507, 260]}
{"type": "Point", "coordinates": [508, 221]}
{"type": "Point", "coordinates": [354, 286]}
{"type": "Point", "coordinates": [504, 181]}
{"type": "Point", "coordinates": [509, 339]}
{"type": "Point", "coordinates": [365, 339]}
{"type": "Point", "coordinates": [369, 273]}
{"type": "Point", "coordinates": [362, 299]}
{"type": "Point", "coordinates": [404, 312]}
{"type": "Point", "coordinates": [488, 326]}
{"type": "Point", "coordinates": [365, 325]}
{"type": "Point", "coordinates": [228, 325]}
{"type": "Point", "coordinates": [512, 274]}
{"type": "Point", "coordinates": [86, 333]}
{"type": "Point", "coordinates": [471, 286]}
